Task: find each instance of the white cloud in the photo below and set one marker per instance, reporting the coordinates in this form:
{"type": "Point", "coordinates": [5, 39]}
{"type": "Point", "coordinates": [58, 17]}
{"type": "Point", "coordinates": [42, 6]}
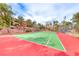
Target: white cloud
{"type": "Point", "coordinates": [46, 12]}
{"type": "Point", "coordinates": [40, 12]}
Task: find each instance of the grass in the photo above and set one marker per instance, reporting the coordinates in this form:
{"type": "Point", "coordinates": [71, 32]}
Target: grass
{"type": "Point", "coordinates": [49, 39]}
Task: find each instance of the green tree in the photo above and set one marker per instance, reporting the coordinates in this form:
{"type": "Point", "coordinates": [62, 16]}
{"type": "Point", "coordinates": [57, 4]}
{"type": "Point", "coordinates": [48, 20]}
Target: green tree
{"type": "Point", "coordinates": [48, 25]}
{"type": "Point", "coordinates": [20, 20]}
{"type": "Point", "coordinates": [5, 15]}
{"type": "Point", "coordinates": [55, 25]}
{"type": "Point", "coordinates": [75, 20]}
{"type": "Point", "coordinates": [22, 23]}
{"type": "Point", "coordinates": [66, 25]}
{"type": "Point", "coordinates": [34, 23]}
{"type": "Point", "coordinates": [41, 26]}
{"type": "Point", "coordinates": [29, 23]}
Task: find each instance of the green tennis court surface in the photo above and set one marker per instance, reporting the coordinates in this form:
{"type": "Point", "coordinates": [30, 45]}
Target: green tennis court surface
{"type": "Point", "coordinates": [49, 39]}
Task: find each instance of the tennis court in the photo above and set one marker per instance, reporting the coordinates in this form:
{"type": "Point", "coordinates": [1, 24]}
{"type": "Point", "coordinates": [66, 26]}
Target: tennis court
{"type": "Point", "coordinates": [39, 44]}
{"type": "Point", "coordinates": [48, 39]}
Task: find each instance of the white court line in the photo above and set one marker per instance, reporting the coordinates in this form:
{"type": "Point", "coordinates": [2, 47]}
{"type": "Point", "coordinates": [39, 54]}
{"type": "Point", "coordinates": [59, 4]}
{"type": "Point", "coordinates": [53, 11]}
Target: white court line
{"type": "Point", "coordinates": [49, 46]}
{"type": "Point", "coordinates": [41, 44]}
{"type": "Point", "coordinates": [62, 44]}
{"type": "Point", "coordinates": [54, 47]}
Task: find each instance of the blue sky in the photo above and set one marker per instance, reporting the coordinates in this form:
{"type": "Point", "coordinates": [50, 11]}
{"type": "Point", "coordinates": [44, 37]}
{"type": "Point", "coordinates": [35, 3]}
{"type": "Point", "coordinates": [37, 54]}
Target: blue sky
{"type": "Point", "coordinates": [42, 12]}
